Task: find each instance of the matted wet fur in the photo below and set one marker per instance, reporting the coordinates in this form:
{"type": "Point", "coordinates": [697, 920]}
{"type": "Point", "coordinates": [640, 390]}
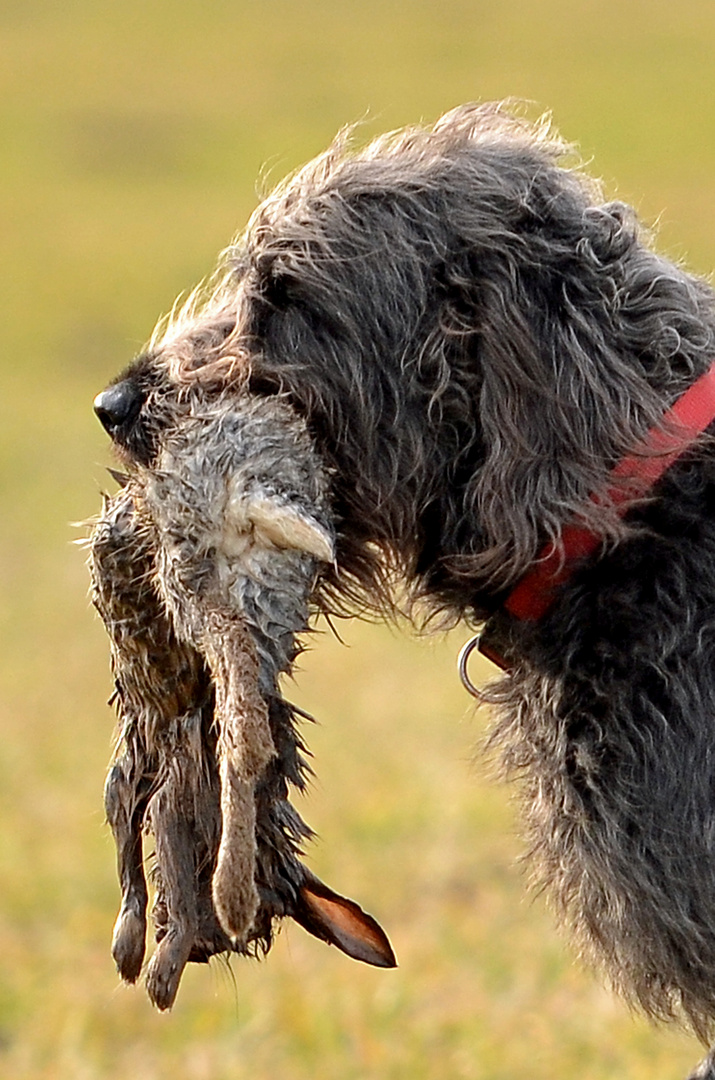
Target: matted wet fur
{"type": "Point", "coordinates": [473, 338]}
{"type": "Point", "coordinates": [202, 569]}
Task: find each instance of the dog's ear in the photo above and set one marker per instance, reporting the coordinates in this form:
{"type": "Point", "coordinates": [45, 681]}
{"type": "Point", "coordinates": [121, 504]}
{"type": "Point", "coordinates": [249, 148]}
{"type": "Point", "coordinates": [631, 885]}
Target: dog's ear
{"type": "Point", "coordinates": [280, 523]}
{"type": "Point", "coordinates": [561, 398]}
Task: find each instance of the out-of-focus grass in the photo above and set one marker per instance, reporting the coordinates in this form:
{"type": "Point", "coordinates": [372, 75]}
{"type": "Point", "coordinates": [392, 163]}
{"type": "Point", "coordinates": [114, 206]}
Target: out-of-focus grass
{"type": "Point", "coordinates": [133, 135]}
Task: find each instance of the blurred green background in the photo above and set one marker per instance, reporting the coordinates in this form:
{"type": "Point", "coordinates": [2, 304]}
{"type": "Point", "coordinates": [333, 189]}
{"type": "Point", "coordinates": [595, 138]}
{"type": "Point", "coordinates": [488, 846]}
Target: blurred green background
{"type": "Point", "coordinates": [134, 137]}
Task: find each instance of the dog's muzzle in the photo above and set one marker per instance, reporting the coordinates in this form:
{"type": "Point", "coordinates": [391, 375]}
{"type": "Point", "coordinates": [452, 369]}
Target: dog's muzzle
{"type": "Point", "coordinates": [117, 406]}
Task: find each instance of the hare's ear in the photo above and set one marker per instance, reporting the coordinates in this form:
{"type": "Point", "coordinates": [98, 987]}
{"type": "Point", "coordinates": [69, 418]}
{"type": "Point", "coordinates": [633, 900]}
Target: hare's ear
{"type": "Point", "coordinates": [289, 526]}
{"type": "Point", "coordinates": [342, 922]}
{"type": "Point", "coordinates": [280, 523]}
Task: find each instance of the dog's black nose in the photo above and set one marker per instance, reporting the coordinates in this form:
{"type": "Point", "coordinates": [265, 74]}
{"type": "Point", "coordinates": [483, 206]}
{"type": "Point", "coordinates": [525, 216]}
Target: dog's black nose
{"type": "Point", "coordinates": [117, 405]}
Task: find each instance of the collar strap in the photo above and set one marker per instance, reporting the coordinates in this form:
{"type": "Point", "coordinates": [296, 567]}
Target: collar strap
{"type": "Point", "coordinates": [629, 480]}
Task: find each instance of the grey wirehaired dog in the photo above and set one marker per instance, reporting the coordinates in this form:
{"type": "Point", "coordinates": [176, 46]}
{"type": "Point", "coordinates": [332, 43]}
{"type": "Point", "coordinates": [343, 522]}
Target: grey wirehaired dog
{"type": "Point", "coordinates": [426, 359]}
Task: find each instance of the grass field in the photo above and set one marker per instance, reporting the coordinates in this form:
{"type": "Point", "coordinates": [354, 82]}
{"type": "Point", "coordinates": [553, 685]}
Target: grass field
{"type": "Point", "coordinates": [133, 139]}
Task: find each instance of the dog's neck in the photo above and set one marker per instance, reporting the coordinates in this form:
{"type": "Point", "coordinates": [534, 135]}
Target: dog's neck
{"type": "Point", "coordinates": [630, 480]}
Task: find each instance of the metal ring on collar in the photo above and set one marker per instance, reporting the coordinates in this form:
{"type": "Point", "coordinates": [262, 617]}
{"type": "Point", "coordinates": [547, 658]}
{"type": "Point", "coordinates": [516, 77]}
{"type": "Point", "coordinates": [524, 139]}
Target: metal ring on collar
{"type": "Point", "coordinates": [462, 661]}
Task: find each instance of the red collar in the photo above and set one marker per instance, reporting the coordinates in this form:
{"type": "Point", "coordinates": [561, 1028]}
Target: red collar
{"type": "Point", "coordinates": [532, 597]}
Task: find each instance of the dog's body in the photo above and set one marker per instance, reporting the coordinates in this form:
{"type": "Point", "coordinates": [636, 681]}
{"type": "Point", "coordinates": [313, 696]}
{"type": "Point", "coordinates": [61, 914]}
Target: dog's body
{"type": "Point", "coordinates": [474, 340]}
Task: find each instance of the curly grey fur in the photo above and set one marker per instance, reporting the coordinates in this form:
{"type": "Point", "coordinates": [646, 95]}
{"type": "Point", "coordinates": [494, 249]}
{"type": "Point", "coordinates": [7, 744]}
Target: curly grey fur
{"type": "Point", "coordinates": [474, 339]}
